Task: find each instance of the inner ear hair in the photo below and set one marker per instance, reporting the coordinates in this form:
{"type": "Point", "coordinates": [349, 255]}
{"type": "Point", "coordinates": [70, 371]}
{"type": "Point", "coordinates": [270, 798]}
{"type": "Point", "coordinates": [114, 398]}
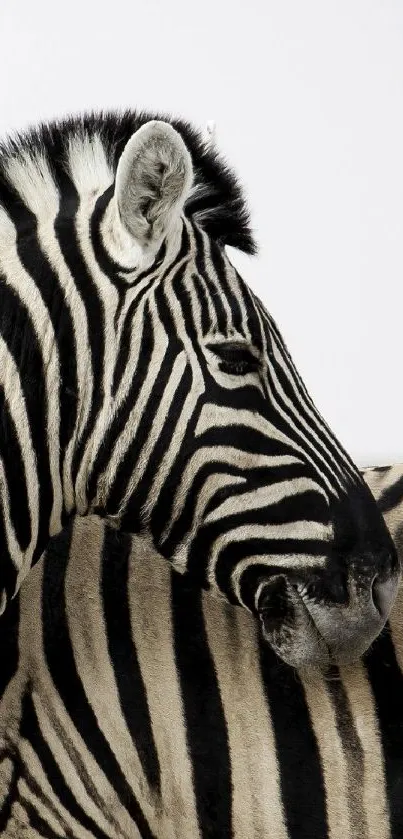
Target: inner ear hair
{"type": "Point", "coordinates": [153, 180]}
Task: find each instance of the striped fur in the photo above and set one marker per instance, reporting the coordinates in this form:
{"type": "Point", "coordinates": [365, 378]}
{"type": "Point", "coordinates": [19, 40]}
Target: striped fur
{"type": "Point", "coordinates": [141, 379]}
{"type": "Point", "coordinates": [134, 705]}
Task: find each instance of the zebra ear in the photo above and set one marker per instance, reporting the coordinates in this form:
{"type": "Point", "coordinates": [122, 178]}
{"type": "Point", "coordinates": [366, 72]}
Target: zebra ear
{"type": "Point", "coordinates": [210, 134]}
{"type": "Point", "coordinates": [153, 180]}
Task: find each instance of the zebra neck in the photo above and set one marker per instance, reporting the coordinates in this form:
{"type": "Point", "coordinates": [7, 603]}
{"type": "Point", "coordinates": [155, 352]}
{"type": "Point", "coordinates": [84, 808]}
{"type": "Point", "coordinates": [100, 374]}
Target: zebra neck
{"type": "Point", "coordinates": [41, 394]}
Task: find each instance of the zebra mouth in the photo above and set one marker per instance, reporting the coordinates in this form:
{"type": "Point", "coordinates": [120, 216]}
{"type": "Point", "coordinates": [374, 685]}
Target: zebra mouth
{"type": "Point", "coordinates": [289, 627]}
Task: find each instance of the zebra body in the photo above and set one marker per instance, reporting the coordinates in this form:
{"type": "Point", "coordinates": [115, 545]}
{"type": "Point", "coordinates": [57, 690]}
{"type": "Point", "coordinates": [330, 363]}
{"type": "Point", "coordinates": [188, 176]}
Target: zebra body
{"type": "Point", "coordinates": [141, 379]}
{"type": "Point", "coordinates": [135, 705]}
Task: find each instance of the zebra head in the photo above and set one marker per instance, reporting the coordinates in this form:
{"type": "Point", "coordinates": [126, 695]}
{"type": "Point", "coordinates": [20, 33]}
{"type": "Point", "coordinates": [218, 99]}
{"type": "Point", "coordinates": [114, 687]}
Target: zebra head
{"type": "Point", "coordinates": [230, 468]}
{"type": "Point", "coordinates": [170, 403]}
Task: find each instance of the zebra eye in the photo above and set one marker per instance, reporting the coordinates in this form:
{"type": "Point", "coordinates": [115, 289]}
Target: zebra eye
{"type": "Point", "coordinates": [236, 359]}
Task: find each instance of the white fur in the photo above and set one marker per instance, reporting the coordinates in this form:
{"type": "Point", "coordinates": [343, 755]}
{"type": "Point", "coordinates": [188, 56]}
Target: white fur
{"type": "Point", "coordinates": [210, 133]}
{"type": "Point", "coordinates": [88, 165]}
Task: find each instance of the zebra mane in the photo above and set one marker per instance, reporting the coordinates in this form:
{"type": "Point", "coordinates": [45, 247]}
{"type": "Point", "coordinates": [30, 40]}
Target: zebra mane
{"type": "Point", "coordinates": [216, 202]}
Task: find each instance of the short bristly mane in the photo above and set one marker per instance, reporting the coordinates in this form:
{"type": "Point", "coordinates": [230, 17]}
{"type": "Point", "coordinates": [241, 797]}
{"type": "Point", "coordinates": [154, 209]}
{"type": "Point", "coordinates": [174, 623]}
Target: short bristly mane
{"type": "Point", "coordinates": [216, 201]}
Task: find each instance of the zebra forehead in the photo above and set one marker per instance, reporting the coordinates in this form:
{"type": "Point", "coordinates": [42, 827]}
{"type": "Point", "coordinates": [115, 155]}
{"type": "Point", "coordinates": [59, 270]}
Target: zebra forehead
{"type": "Point", "coordinates": [87, 148]}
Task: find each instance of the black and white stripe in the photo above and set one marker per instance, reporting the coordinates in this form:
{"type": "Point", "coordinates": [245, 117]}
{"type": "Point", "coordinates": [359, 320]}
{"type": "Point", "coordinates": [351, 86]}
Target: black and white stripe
{"type": "Point", "coordinates": [140, 378]}
{"type": "Point", "coordinates": [134, 705]}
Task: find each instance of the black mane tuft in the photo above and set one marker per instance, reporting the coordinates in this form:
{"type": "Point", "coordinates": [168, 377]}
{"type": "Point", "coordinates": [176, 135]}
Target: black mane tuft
{"type": "Point", "coordinates": [217, 202]}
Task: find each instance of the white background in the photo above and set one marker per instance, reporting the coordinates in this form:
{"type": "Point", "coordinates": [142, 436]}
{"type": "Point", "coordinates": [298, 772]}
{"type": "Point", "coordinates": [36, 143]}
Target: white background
{"type": "Point", "coordinates": [307, 97]}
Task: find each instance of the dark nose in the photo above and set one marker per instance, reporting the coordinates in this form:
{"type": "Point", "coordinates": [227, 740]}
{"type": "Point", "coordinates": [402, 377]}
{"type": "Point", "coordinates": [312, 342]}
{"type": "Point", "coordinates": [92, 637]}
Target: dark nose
{"type": "Point", "coordinates": [358, 523]}
{"type": "Point", "coordinates": [364, 547]}
{"type": "Point", "coordinates": [360, 532]}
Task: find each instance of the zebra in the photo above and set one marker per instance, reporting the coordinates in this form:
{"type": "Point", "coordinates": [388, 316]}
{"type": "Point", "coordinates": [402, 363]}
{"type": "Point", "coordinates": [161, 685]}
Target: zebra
{"type": "Point", "coordinates": [143, 381]}
{"type": "Point", "coordinates": [135, 705]}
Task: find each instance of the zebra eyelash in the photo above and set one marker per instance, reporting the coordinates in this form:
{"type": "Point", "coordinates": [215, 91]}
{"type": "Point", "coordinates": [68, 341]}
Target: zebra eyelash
{"type": "Point", "coordinates": [236, 359]}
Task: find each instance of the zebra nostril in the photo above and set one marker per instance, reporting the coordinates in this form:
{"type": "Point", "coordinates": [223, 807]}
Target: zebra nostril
{"type": "Point", "coordinates": [376, 594]}
{"type": "Point", "coordinates": [393, 562]}
{"type": "Point", "coordinates": [383, 594]}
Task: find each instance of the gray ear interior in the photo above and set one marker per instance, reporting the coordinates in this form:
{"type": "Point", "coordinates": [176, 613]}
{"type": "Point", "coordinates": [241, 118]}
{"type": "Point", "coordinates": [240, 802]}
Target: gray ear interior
{"type": "Point", "coordinates": [153, 180]}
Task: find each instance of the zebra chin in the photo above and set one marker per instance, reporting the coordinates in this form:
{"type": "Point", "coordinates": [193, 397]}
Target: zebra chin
{"type": "Point", "coordinates": [308, 634]}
